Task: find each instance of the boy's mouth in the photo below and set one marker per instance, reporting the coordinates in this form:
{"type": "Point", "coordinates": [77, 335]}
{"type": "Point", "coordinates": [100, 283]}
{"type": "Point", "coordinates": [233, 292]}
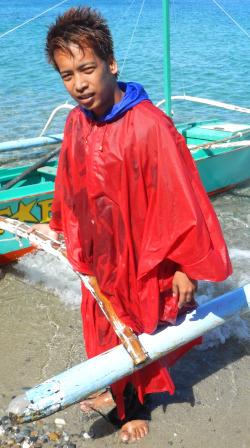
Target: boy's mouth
{"type": "Point", "coordinates": [86, 96]}
{"type": "Point", "coordinates": [85, 99]}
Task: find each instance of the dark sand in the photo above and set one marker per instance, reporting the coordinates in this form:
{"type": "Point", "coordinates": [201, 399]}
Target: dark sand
{"type": "Point", "coordinates": [41, 337]}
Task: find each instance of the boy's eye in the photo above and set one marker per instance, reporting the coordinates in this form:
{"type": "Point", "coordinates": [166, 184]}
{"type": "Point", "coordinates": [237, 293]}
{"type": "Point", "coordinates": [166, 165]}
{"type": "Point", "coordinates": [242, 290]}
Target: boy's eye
{"type": "Point", "coordinates": [88, 70]}
{"type": "Point", "coordinates": [66, 76]}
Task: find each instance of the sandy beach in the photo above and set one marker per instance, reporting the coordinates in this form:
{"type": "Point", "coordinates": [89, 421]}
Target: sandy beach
{"type": "Point", "coordinates": [41, 336]}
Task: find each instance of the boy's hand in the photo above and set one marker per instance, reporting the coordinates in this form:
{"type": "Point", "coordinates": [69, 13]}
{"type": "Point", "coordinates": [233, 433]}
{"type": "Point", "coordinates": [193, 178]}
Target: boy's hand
{"type": "Point", "coordinates": [184, 286]}
{"type": "Point", "coordinates": [44, 228]}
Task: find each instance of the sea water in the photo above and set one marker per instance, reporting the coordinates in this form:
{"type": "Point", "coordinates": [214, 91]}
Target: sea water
{"type": "Point", "coordinates": [209, 58]}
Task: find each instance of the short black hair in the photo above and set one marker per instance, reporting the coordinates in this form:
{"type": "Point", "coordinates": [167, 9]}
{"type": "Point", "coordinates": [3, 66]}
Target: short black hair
{"type": "Point", "coordinates": [83, 27]}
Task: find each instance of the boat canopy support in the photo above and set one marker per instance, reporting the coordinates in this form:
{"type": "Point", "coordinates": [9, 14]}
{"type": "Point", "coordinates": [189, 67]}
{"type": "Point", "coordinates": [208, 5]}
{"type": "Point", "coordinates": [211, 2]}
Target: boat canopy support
{"type": "Point", "coordinates": [31, 142]}
{"type": "Point", "coordinates": [207, 101]}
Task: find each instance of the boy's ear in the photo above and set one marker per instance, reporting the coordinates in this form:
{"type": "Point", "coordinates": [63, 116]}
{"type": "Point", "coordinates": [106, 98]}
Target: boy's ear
{"type": "Point", "coordinates": [113, 65]}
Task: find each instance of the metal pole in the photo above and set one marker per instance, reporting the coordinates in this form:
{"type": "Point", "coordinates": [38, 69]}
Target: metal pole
{"type": "Point", "coordinates": [166, 55]}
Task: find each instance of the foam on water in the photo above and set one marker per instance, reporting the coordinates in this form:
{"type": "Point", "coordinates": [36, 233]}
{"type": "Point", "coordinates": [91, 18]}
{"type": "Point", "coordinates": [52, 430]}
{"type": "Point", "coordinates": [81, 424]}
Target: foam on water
{"type": "Point", "coordinates": [239, 254]}
{"type": "Point", "coordinates": [44, 269]}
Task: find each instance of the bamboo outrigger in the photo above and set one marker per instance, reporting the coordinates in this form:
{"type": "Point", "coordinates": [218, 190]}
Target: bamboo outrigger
{"type": "Point", "coordinates": [84, 379]}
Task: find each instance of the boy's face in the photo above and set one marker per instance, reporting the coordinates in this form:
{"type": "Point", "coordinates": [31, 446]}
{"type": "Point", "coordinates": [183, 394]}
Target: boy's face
{"type": "Point", "coordinates": [89, 79]}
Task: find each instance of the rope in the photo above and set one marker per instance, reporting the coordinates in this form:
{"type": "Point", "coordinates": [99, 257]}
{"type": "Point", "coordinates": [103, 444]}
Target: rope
{"type": "Point", "coordinates": [16, 237]}
{"type": "Point", "coordinates": [121, 19]}
{"type": "Point", "coordinates": [231, 18]}
{"type": "Point", "coordinates": [9, 239]}
{"type": "Point", "coordinates": [204, 145]}
{"type": "Point", "coordinates": [131, 39]}
{"type": "Point", "coordinates": [33, 18]}
{"type": "Point", "coordinates": [211, 146]}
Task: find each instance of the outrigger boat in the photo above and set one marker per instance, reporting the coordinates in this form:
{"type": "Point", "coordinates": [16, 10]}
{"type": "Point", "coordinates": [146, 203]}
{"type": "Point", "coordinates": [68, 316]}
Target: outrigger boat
{"type": "Point", "coordinates": [221, 152]}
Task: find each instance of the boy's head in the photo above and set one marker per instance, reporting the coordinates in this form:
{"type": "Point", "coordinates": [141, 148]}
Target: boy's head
{"type": "Point", "coordinates": [80, 47]}
{"type": "Point", "coordinates": [81, 27]}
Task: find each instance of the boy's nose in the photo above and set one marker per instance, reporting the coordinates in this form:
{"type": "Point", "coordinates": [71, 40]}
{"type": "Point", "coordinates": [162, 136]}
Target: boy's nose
{"type": "Point", "coordinates": [80, 83]}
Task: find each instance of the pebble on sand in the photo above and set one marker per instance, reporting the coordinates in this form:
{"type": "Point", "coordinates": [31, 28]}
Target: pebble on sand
{"type": "Point", "coordinates": [60, 422]}
{"type": "Point", "coordinates": [53, 436]}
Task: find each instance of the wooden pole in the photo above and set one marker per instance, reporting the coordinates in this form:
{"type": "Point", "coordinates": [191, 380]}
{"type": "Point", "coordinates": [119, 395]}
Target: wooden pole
{"type": "Point", "coordinates": [32, 168]}
{"type": "Point", "coordinates": [84, 379]}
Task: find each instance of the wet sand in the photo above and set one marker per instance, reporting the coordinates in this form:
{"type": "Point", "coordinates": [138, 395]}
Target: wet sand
{"type": "Point", "coordinates": [41, 337]}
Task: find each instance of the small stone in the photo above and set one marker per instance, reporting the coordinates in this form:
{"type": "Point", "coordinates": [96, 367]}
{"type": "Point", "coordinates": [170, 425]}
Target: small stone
{"type": "Point", "coordinates": [65, 434]}
{"type": "Point", "coordinates": [175, 434]}
{"type": "Point", "coordinates": [37, 445]}
{"type": "Point", "coordinates": [2, 430]}
{"type": "Point", "coordinates": [53, 436]}
{"type": "Point", "coordinates": [25, 444]}
{"type": "Point", "coordinates": [44, 438]}
{"type": "Point", "coordinates": [20, 437]}
{"type": "Point", "coordinates": [27, 432]}
{"type": "Point", "coordinates": [34, 433]}
{"type": "Point", "coordinates": [5, 419]}
{"type": "Point", "coordinates": [87, 435]}
{"type": "Point", "coordinates": [60, 422]}
{"type": "Point", "coordinates": [33, 439]}
{"type": "Point", "coordinates": [58, 433]}
{"type": "Point", "coordinates": [39, 422]}
{"type": "Point", "coordinates": [85, 418]}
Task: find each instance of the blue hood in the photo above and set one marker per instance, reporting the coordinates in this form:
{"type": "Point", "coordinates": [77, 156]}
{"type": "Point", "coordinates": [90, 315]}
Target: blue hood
{"type": "Point", "coordinates": [134, 94]}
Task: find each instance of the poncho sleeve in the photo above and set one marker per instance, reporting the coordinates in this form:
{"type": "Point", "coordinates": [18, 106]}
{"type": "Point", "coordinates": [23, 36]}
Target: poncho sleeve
{"type": "Point", "coordinates": [181, 224]}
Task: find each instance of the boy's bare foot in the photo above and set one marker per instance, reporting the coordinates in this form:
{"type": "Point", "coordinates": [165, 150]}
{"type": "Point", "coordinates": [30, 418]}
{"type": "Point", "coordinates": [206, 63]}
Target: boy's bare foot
{"type": "Point", "coordinates": [134, 430]}
{"type": "Point", "coordinates": [97, 401]}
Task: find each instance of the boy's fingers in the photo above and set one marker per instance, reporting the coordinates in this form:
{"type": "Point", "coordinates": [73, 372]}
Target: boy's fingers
{"type": "Point", "coordinates": [175, 290]}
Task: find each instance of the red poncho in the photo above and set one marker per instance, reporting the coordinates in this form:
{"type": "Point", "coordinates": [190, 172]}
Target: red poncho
{"type": "Point", "coordinates": [131, 206]}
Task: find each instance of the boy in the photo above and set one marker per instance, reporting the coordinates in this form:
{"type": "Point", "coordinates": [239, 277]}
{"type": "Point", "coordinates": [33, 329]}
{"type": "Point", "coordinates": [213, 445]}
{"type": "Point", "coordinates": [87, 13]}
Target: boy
{"type": "Point", "coordinates": [130, 204]}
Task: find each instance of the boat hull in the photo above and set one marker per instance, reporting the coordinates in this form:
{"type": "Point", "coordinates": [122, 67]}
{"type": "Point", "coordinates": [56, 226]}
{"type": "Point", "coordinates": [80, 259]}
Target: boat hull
{"type": "Point", "coordinates": [29, 201]}
{"type": "Point", "coordinates": [222, 171]}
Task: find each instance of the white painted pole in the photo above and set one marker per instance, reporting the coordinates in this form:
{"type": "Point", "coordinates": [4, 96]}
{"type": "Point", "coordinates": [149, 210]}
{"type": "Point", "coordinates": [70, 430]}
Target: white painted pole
{"type": "Point", "coordinates": [84, 379]}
